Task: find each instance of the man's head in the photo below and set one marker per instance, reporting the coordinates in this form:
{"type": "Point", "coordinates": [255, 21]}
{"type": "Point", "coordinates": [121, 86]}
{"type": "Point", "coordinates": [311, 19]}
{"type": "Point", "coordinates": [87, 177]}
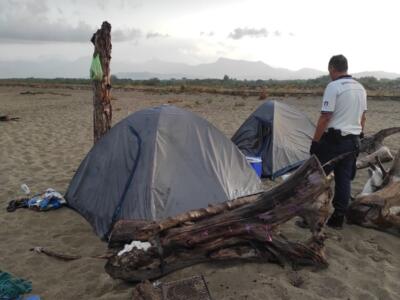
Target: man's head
{"type": "Point", "coordinates": [337, 66]}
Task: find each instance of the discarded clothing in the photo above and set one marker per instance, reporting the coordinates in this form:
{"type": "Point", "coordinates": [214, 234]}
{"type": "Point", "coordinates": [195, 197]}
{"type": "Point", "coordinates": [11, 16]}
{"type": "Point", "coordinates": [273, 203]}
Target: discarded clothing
{"type": "Point", "coordinates": [50, 199]}
{"type": "Point", "coordinates": [18, 203]}
{"type": "Point", "coordinates": [12, 287]}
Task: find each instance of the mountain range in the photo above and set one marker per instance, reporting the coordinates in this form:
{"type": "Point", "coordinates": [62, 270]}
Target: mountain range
{"type": "Point", "coordinates": [238, 69]}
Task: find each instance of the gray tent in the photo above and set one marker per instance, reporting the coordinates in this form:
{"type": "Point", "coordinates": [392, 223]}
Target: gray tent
{"type": "Point", "coordinates": [279, 134]}
{"type": "Point", "coordinates": [156, 163]}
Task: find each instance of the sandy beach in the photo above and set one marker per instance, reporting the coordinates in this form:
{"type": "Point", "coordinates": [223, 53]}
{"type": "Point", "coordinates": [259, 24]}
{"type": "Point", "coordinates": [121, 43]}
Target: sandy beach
{"type": "Point", "coordinates": [45, 147]}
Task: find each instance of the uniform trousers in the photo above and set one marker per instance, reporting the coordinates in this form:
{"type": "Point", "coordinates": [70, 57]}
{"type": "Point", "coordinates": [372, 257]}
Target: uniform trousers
{"type": "Point", "coordinates": [344, 170]}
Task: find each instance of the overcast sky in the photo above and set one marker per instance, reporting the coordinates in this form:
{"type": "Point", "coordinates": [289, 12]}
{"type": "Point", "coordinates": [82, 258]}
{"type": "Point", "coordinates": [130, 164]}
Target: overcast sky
{"type": "Point", "coordinates": [283, 33]}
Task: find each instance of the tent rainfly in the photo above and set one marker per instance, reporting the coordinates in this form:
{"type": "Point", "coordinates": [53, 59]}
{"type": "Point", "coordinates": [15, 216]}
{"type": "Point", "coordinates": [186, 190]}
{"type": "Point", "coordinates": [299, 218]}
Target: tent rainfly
{"type": "Point", "coordinates": [157, 163]}
{"type": "Point", "coordinates": [279, 134]}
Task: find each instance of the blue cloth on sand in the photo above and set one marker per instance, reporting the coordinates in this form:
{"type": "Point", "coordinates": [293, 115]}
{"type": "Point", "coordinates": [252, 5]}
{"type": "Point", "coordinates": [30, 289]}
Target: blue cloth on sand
{"type": "Point", "coordinates": [50, 199]}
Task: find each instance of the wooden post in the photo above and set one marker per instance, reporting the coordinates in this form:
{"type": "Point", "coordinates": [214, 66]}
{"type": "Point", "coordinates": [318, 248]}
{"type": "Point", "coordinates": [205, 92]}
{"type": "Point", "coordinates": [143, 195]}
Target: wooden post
{"type": "Point", "coordinates": [102, 113]}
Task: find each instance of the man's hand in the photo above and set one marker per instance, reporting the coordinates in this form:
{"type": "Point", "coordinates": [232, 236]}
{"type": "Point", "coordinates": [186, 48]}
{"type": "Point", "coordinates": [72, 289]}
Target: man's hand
{"type": "Point", "coordinates": [314, 147]}
{"type": "Point", "coordinates": [361, 135]}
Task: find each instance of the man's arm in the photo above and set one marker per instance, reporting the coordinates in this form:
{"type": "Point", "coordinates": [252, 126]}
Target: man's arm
{"type": "Point", "coordinates": [363, 119]}
{"type": "Point", "coordinates": [322, 123]}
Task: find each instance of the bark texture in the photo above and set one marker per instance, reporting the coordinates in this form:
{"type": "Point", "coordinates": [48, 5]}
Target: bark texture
{"type": "Point", "coordinates": [102, 114]}
{"type": "Point", "coordinates": [242, 229]}
{"type": "Point", "coordinates": [373, 148]}
{"type": "Point", "coordinates": [380, 209]}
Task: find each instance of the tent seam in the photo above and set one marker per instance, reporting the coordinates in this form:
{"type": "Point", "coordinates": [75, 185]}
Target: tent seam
{"type": "Point", "coordinates": [152, 208]}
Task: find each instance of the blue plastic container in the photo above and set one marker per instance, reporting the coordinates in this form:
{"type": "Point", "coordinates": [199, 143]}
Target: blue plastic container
{"type": "Point", "coordinates": [30, 297]}
{"type": "Point", "coordinates": [256, 163]}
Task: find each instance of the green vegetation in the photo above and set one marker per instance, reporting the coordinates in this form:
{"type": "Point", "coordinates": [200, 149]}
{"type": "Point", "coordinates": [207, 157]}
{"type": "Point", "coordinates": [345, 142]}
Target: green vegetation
{"type": "Point", "coordinates": [226, 85]}
{"type": "Point", "coordinates": [226, 82]}
{"type": "Point", "coordinates": [31, 80]}
{"type": "Point", "coordinates": [371, 83]}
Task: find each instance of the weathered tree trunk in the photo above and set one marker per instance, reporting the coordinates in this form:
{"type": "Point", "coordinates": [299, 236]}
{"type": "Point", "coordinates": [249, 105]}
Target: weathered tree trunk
{"type": "Point", "coordinates": [372, 147]}
{"type": "Point", "coordinates": [380, 209]}
{"type": "Point", "coordinates": [102, 114]}
{"type": "Point", "coordinates": [248, 231]}
{"type": "Point", "coordinates": [125, 231]}
{"type": "Point", "coordinates": [383, 154]}
{"type": "Point", "coordinates": [372, 143]}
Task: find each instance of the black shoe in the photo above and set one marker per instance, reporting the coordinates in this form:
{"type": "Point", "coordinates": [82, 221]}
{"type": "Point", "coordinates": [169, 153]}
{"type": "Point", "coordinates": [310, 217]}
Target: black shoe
{"type": "Point", "coordinates": [336, 222]}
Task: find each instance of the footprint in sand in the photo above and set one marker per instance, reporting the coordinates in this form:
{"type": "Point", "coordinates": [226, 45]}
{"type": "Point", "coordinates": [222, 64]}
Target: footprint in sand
{"type": "Point", "coordinates": [332, 287]}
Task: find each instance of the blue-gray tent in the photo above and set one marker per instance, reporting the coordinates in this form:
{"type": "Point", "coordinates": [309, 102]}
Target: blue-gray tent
{"type": "Point", "coordinates": [157, 163]}
{"type": "Point", "coordinates": [279, 134]}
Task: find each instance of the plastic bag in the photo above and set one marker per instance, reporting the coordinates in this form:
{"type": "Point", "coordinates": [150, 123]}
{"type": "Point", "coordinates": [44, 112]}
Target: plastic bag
{"type": "Point", "coordinates": [25, 189]}
{"type": "Point", "coordinates": [96, 71]}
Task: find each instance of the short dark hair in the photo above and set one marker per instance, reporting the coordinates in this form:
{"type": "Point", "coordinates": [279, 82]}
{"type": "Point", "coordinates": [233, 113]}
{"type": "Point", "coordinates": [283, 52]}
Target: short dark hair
{"type": "Point", "coordinates": [339, 63]}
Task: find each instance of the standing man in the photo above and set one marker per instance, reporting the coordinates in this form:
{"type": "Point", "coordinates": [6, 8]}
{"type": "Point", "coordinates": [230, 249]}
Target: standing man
{"type": "Point", "coordinates": [338, 131]}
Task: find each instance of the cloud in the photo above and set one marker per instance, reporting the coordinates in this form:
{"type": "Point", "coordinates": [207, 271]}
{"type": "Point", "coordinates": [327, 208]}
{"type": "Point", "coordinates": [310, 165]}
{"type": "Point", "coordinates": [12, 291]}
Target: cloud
{"type": "Point", "coordinates": [24, 8]}
{"type": "Point", "coordinates": [121, 4]}
{"type": "Point", "coordinates": [277, 33]}
{"type": "Point", "coordinates": [211, 33]}
{"type": "Point", "coordinates": [120, 35]}
{"type": "Point", "coordinates": [36, 7]}
{"type": "Point", "coordinates": [152, 35]}
{"type": "Point", "coordinates": [101, 4]}
{"type": "Point", "coordinates": [240, 33]}
{"type": "Point", "coordinates": [45, 31]}
{"type": "Point", "coordinates": [129, 4]}
{"type": "Point", "coordinates": [28, 21]}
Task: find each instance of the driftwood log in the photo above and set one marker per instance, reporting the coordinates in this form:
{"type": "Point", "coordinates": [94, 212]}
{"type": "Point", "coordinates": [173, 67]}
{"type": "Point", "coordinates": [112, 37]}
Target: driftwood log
{"type": "Point", "coordinates": [246, 230]}
{"type": "Point", "coordinates": [52, 253]}
{"type": "Point", "coordinates": [383, 154]}
{"type": "Point", "coordinates": [373, 147]}
{"type": "Point", "coordinates": [102, 113]}
{"type": "Point", "coordinates": [125, 231]}
{"type": "Point", "coordinates": [380, 209]}
{"type": "Point", "coordinates": [6, 118]}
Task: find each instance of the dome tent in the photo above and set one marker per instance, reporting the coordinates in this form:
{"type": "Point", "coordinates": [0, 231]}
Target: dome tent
{"type": "Point", "coordinates": [279, 134]}
{"type": "Point", "coordinates": [156, 163]}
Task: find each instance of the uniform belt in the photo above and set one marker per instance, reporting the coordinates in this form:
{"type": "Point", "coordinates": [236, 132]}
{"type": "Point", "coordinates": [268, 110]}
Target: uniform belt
{"type": "Point", "coordinates": [336, 135]}
{"type": "Point", "coordinates": [348, 137]}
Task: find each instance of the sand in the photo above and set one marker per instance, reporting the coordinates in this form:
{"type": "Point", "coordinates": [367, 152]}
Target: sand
{"type": "Point", "coordinates": [54, 134]}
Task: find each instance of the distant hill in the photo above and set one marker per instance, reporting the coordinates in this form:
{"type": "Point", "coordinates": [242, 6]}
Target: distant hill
{"type": "Point", "coordinates": [45, 68]}
{"type": "Point", "coordinates": [237, 69]}
{"type": "Point", "coordinates": [148, 75]}
{"type": "Point", "coordinates": [377, 75]}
